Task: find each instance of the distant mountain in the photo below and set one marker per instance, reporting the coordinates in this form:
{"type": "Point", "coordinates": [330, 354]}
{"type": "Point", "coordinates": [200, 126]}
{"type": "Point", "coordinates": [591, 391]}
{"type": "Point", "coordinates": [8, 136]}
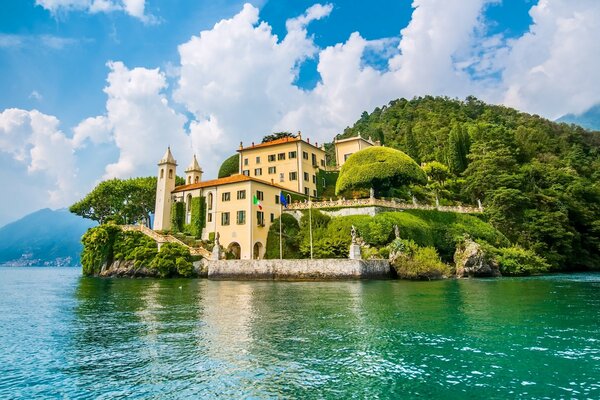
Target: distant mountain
{"type": "Point", "coordinates": [45, 237]}
{"type": "Point", "coordinates": [589, 119]}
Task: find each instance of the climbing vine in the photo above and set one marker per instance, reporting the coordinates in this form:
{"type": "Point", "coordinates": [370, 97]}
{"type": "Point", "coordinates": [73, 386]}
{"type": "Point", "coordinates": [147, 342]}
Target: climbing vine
{"type": "Point", "coordinates": [177, 216]}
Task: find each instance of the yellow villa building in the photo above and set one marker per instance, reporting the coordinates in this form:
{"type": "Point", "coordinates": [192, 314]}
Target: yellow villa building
{"type": "Point", "coordinates": [242, 207]}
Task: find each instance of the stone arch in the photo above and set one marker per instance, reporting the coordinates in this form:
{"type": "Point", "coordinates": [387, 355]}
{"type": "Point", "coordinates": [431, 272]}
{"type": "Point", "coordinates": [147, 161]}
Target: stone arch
{"type": "Point", "coordinates": [235, 249]}
{"type": "Point", "coordinates": [257, 251]}
{"type": "Point", "coordinates": [289, 199]}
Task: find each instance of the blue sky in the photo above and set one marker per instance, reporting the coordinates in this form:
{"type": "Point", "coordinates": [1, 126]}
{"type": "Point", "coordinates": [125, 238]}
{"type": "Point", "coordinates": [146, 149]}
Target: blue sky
{"type": "Point", "coordinates": [92, 89]}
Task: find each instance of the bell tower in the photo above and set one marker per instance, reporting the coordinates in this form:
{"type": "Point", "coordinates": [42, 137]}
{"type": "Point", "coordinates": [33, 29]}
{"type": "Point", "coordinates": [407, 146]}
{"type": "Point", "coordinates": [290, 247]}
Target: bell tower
{"type": "Point", "coordinates": [164, 186]}
{"type": "Point", "coordinates": [193, 173]}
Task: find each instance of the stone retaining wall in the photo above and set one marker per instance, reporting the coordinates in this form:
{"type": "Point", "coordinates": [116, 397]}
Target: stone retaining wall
{"type": "Point", "coordinates": [323, 269]}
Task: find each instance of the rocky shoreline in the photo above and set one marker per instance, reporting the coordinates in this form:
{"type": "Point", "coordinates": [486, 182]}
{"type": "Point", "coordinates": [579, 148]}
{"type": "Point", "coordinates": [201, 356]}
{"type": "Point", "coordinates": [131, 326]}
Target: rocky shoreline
{"type": "Point", "coordinates": [470, 260]}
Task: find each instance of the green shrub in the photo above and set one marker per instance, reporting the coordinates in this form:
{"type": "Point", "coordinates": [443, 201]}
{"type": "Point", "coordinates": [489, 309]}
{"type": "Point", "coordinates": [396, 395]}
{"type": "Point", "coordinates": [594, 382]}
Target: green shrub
{"type": "Point", "coordinates": [519, 261]}
{"type": "Point", "coordinates": [230, 166]}
{"type": "Point", "coordinates": [98, 243]}
{"type": "Point", "coordinates": [167, 261]}
{"type": "Point", "coordinates": [381, 168]}
{"type": "Point", "coordinates": [290, 236]}
{"type": "Point", "coordinates": [184, 267]}
{"type": "Point", "coordinates": [411, 261]}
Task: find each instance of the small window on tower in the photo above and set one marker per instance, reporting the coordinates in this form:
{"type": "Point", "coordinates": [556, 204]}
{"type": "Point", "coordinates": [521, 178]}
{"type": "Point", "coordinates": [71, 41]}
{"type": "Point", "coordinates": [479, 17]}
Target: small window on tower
{"type": "Point", "coordinates": [162, 173]}
{"type": "Point", "coordinates": [170, 174]}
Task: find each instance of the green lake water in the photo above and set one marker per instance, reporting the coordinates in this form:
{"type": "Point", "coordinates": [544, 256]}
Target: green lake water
{"type": "Point", "coordinates": [65, 336]}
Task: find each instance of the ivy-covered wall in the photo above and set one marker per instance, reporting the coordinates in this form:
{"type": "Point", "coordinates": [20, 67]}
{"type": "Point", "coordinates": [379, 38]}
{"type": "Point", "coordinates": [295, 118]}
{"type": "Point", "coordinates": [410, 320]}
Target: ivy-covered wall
{"type": "Point", "coordinates": [198, 219]}
{"type": "Point", "coordinates": [177, 216]}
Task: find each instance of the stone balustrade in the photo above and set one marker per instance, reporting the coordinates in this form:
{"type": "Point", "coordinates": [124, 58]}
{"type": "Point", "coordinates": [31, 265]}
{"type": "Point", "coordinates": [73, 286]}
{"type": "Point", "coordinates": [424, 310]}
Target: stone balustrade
{"type": "Point", "coordinates": [341, 203]}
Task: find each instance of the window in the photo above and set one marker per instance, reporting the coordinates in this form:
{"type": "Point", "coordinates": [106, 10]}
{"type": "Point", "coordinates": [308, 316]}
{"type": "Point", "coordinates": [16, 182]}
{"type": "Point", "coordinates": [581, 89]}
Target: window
{"type": "Point", "coordinates": [209, 201]}
{"type": "Point", "coordinates": [271, 157]}
{"type": "Point", "coordinates": [315, 193]}
{"type": "Point", "coordinates": [241, 217]}
{"type": "Point", "coordinates": [346, 156]}
{"type": "Point", "coordinates": [293, 176]}
{"type": "Point", "coordinates": [306, 191]}
{"type": "Point", "coordinates": [241, 194]}
{"type": "Point", "coordinates": [209, 217]}
{"type": "Point", "coordinates": [292, 154]}
{"type": "Point", "coordinates": [225, 196]}
{"type": "Point", "coordinates": [260, 195]}
{"type": "Point", "coordinates": [315, 179]}
{"type": "Point", "coordinates": [289, 199]}
{"type": "Point", "coordinates": [314, 159]}
{"type": "Point", "coordinates": [272, 170]}
{"type": "Point", "coordinates": [162, 173]}
{"type": "Point", "coordinates": [257, 171]}
{"type": "Point", "coordinates": [245, 161]}
{"type": "Point", "coordinates": [281, 177]}
{"type": "Point", "coordinates": [260, 218]}
{"type": "Point", "coordinates": [197, 179]}
{"type": "Point", "coordinates": [246, 172]}
{"type": "Point", "coordinates": [189, 180]}
{"type": "Point", "coordinates": [170, 174]}
{"type": "Point", "coordinates": [272, 217]}
{"type": "Point", "coordinates": [225, 218]}
{"type": "Point", "coordinates": [258, 160]}
{"type": "Point", "coordinates": [281, 156]}
{"type": "Point", "coordinates": [306, 176]}
{"type": "Point", "coordinates": [276, 199]}
{"type": "Point", "coordinates": [322, 163]}
{"type": "Point", "coordinates": [305, 155]}
{"type": "Point", "coordinates": [324, 183]}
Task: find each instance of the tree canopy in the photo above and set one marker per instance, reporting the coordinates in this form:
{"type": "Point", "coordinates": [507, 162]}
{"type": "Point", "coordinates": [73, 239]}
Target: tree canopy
{"type": "Point", "coordinates": [119, 200]}
{"type": "Point", "coordinates": [277, 135]}
{"type": "Point", "coordinates": [538, 180]}
{"type": "Point", "coordinates": [230, 166]}
{"type": "Point", "coordinates": [379, 168]}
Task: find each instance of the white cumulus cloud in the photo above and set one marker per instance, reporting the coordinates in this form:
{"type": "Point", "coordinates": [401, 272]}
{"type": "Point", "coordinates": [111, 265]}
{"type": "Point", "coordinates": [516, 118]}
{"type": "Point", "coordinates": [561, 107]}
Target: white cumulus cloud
{"type": "Point", "coordinates": [35, 140]}
{"type": "Point", "coordinates": [135, 8]}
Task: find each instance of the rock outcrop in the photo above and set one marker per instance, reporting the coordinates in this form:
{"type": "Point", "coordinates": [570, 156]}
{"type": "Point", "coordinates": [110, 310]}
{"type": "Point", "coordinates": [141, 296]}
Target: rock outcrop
{"type": "Point", "coordinates": [471, 260]}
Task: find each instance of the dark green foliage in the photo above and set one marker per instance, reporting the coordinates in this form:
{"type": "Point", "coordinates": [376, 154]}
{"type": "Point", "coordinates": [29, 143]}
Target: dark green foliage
{"type": "Point", "coordinates": [230, 166]}
{"type": "Point", "coordinates": [330, 178]}
{"type": "Point", "coordinates": [198, 218]}
{"type": "Point", "coordinates": [380, 168]}
{"type": "Point", "coordinates": [107, 243]}
{"type": "Point", "coordinates": [290, 230]}
{"type": "Point", "coordinates": [177, 216]}
{"type": "Point", "coordinates": [98, 245]}
{"type": "Point", "coordinates": [538, 180]}
{"type": "Point", "coordinates": [277, 135]}
{"type": "Point", "coordinates": [411, 261]}
{"type": "Point", "coordinates": [442, 230]}
{"type": "Point", "coordinates": [124, 201]}
{"type": "Point", "coordinates": [172, 259]}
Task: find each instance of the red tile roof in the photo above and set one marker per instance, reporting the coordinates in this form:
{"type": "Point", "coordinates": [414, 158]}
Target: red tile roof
{"type": "Point", "coordinates": [277, 142]}
{"type": "Point", "coordinates": [225, 181]}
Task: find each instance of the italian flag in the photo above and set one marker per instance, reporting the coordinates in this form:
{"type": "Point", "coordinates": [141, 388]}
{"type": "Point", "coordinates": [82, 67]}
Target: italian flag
{"type": "Point", "coordinates": [256, 202]}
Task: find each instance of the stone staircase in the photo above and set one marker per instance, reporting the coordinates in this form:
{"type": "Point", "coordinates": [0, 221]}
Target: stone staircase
{"type": "Point", "coordinates": [160, 239]}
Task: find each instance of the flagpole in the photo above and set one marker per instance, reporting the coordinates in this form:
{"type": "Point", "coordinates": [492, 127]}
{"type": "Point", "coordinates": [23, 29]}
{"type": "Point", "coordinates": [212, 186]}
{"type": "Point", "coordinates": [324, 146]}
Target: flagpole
{"type": "Point", "coordinates": [310, 226]}
{"type": "Point", "coordinates": [280, 218]}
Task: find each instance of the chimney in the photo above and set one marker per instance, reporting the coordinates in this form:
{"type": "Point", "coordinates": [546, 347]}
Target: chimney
{"type": "Point", "coordinates": [252, 144]}
{"type": "Point", "coordinates": [308, 140]}
{"type": "Point", "coordinates": [241, 145]}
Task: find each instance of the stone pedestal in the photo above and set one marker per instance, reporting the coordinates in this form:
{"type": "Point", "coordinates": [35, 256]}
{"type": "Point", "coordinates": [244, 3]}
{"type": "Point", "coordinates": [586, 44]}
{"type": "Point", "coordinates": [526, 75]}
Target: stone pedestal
{"type": "Point", "coordinates": [355, 252]}
{"type": "Point", "coordinates": [216, 253]}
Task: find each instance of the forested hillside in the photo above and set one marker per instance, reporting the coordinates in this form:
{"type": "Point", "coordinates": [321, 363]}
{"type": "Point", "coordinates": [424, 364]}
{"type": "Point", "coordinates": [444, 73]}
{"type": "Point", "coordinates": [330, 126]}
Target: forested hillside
{"type": "Point", "coordinates": [538, 180]}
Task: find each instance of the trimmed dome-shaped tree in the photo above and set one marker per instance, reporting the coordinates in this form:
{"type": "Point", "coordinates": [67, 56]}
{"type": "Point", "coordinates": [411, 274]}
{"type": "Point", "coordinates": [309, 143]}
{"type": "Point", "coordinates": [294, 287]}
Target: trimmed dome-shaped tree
{"type": "Point", "coordinates": [380, 168]}
{"type": "Point", "coordinates": [230, 166]}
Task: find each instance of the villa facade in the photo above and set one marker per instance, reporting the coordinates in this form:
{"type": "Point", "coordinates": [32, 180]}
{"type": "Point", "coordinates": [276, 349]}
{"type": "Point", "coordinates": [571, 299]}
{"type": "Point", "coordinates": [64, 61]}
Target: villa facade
{"type": "Point", "coordinates": [242, 207]}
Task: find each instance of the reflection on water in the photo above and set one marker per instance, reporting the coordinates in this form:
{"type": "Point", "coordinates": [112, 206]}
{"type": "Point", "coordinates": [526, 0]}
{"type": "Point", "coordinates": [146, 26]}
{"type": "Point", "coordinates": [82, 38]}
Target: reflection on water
{"type": "Point", "coordinates": [62, 335]}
